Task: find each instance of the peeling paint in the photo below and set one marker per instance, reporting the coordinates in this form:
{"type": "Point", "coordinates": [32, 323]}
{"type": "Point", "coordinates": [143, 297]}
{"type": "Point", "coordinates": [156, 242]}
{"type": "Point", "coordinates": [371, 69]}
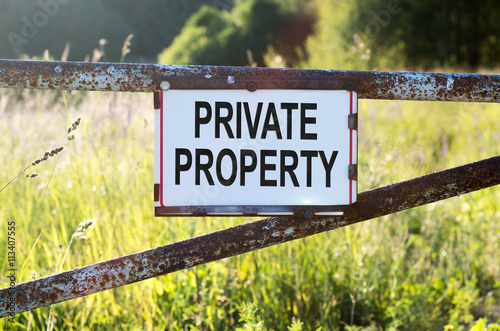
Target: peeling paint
{"type": "Point", "coordinates": [270, 225]}
{"type": "Point", "coordinates": [449, 83]}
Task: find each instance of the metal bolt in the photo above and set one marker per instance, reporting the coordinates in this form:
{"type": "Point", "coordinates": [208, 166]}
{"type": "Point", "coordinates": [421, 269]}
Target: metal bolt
{"type": "Point", "coordinates": [308, 214]}
{"type": "Point", "coordinates": [252, 86]}
{"type": "Point", "coordinates": [349, 86]}
{"type": "Point", "coordinates": [165, 85]}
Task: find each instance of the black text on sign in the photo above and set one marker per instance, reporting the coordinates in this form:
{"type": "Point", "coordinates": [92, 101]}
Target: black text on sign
{"type": "Point", "coordinates": [265, 148]}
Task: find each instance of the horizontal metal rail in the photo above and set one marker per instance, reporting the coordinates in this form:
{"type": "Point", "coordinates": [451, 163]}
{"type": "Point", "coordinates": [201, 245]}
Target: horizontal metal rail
{"type": "Point", "coordinates": [147, 78]}
{"type": "Point", "coordinates": [244, 238]}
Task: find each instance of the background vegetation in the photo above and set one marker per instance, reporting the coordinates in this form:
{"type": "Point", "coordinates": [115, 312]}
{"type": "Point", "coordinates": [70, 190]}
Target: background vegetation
{"type": "Point", "coordinates": [420, 269]}
{"type": "Point", "coordinates": [433, 267]}
{"type": "Point", "coordinates": [312, 33]}
{"type": "Point", "coordinates": [82, 24]}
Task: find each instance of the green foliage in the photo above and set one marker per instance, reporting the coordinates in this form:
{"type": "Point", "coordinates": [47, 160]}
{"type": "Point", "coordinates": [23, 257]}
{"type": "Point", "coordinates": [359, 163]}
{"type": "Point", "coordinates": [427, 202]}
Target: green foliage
{"type": "Point", "coordinates": [248, 316]}
{"type": "Point", "coordinates": [155, 22]}
{"type": "Point", "coordinates": [482, 326]}
{"type": "Point", "coordinates": [332, 46]}
{"type": "Point", "coordinates": [456, 33]}
{"type": "Point", "coordinates": [31, 27]}
{"type": "Point", "coordinates": [352, 35]}
{"type": "Point", "coordinates": [394, 34]}
{"type": "Point", "coordinates": [218, 37]}
{"type": "Point", "coordinates": [240, 36]}
{"type": "Point", "coordinates": [198, 42]}
{"type": "Point", "coordinates": [420, 269]}
{"type": "Point", "coordinates": [358, 34]}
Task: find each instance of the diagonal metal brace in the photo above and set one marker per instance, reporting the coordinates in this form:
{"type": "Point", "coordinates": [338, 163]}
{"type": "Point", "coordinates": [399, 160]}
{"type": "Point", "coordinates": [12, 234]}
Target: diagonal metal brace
{"type": "Point", "coordinates": [244, 238]}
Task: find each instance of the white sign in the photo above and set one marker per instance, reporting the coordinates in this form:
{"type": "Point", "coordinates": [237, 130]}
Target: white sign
{"type": "Point", "coordinates": [231, 149]}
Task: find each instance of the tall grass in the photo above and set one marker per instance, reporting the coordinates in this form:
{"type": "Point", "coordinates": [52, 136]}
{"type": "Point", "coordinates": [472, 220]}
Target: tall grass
{"type": "Point", "coordinates": [425, 268]}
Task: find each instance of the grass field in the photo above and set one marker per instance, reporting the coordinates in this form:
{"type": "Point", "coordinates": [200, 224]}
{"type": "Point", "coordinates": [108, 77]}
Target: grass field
{"type": "Point", "coordinates": [432, 267]}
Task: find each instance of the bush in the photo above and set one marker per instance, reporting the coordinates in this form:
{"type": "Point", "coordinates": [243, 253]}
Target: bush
{"type": "Point", "coordinates": [239, 37]}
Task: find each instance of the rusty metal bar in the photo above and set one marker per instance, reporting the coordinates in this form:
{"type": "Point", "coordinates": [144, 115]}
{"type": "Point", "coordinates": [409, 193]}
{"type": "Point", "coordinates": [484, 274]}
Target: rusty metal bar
{"type": "Point", "coordinates": [147, 77]}
{"type": "Point", "coordinates": [244, 238]}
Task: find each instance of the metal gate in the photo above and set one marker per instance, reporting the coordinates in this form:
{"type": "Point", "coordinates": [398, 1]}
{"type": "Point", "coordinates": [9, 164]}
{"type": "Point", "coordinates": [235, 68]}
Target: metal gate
{"type": "Point", "coordinates": [265, 232]}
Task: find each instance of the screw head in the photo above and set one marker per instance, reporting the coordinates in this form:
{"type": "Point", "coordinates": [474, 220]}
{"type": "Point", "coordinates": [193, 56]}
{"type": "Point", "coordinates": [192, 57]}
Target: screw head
{"type": "Point", "coordinates": [349, 86]}
{"type": "Point", "coordinates": [165, 85]}
{"type": "Point", "coordinates": [308, 214]}
{"type": "Point", "coordinates": [252, 86]}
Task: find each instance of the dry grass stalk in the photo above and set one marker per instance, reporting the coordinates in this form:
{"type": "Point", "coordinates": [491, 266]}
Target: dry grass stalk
{"type": "Point", "coordinates": [48, 154]}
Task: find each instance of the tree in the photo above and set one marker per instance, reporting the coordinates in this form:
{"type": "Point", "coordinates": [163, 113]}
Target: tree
{"type": "Point", "coordinates": [156, 23]}
{"type": "Point", "coordinates": [392, 34]}
{"type": "Point", "coordinates": [456, 33]}
{"type": "Point", "coordinates": [220, 37]}
{"type": "Point", "coordinates": [31, 27]}
{"type": "Point", "coordinates": [241, 36]}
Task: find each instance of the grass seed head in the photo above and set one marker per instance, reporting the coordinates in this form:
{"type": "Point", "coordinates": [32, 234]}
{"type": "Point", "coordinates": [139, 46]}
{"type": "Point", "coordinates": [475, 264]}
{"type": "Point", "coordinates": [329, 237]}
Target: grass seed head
{"type": "Point", "coordinates": [83, 227]}
{"type": "Point", "coordinates": [75, 124]}
{"type": "Point", "coordinates": [46, 156]}
{"type": "Point", "coordinates": [56, 151]}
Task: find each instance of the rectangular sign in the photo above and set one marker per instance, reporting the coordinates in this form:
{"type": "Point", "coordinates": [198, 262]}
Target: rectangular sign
{"type": "Point", "coordinates": [268, 152]}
